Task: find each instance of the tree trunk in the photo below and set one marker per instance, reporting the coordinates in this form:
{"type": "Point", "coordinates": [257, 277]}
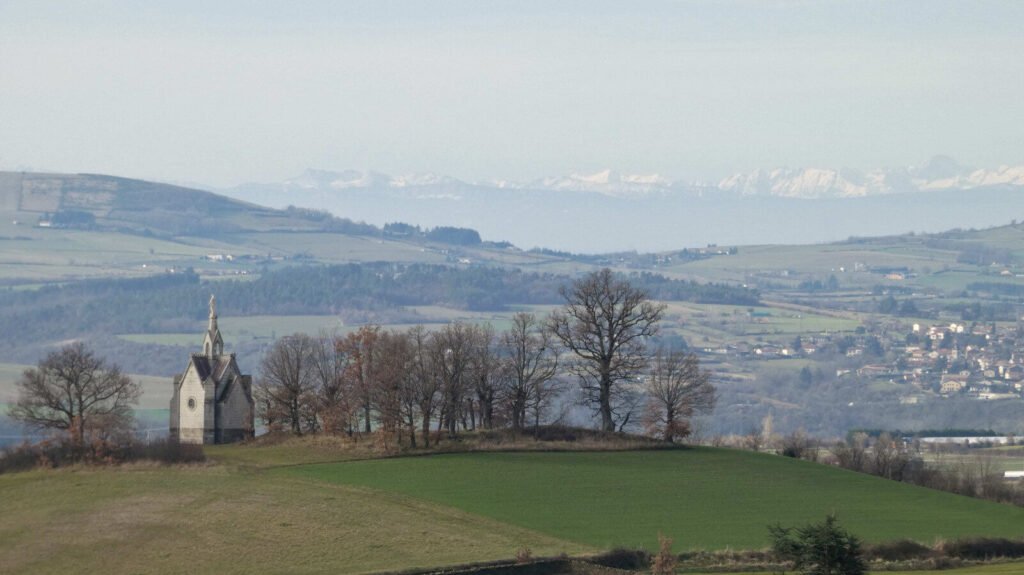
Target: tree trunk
{"type": "Point", "coordinates": [426, 429]}
{"type": "Point", "coordinates": [607, 423]}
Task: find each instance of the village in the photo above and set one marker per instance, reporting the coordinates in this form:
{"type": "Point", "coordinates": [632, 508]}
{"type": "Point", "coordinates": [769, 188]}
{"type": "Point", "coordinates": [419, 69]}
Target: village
{"type": "Point", "coordinates": [978, 360]}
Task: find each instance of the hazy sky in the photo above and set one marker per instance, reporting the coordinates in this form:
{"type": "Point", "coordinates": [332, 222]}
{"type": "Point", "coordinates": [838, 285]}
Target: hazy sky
{"type": "Point", "coordinates": [223, 92]}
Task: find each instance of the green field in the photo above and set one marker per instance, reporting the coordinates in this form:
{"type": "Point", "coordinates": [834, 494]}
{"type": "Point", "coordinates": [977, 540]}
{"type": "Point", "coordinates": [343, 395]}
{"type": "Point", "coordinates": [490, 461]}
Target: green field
{"type": "Point", "coordinates": [246, 328]}
{"type": "Point", "coordinates": [268, 509]}
{"type": "Point", "coordinates": [1014, 568]}
{"type": "Point", "coordinates": [215, 520]}
{"type": "Point", "coordinates": [703, 498]}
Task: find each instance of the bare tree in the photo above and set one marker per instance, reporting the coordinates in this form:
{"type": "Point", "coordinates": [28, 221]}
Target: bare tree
{"type": "Point", "coordinates": [677, 389]}
{"type": "Point", "coordinates": [852, 455]}
{"type": "Point", "coordinates": [451, 360]}
{"type": "Point", "coordinates": [484, 372]}
{"type": "Point", "coordinates": [285, 390]}
{"type": "Point", "coordinates": [604, 322]}
{"type": "Point", "coordinates": [530, 364]}
{"type": "Point", "coordinates": [391, 391]}
{"type": "Point", "coordinates": [334, 397]}
{"type": "Point", "coordinates": [360, 348]}
{"type": "Point", "coordinates": [425, 381]}
{"type": "Point", "coordinates": [73, 391]}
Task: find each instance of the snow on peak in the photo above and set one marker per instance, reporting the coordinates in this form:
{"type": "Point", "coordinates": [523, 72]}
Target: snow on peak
{"type": "Point", "coordinates": [938, 173]}
{"type": "Point", "coordinates": [358, 179]}
{"type": "Point", "coordinates": [608, 182]}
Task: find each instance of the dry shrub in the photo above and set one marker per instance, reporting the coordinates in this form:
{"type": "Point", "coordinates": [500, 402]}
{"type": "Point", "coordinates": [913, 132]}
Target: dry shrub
{"type": "Point", "coordinates": [621, 558]}
{"type": "Point", "coordinates": [664, 563]}
{"type": "Point", "coordinates": [165, 451]}
{"type": "Point", "coordinates": [59, 453]}
{"type": "Point", "coordinates": [524, 555]}
{"type": "Point", "coordinates": [982, 548]}
{"type": "Point", "coordinates": [899, 550]}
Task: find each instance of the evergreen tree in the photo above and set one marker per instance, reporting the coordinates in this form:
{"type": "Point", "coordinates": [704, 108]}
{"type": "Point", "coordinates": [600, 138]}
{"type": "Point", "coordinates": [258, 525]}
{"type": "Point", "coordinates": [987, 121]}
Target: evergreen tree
{"type": "Point", "coordinates": [819, 548]}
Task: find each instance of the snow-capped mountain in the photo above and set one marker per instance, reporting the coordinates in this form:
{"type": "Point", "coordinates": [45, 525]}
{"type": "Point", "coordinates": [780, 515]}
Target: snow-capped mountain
{"type": "Point", "coordinates": [356, 179]}
{"type": "Point", "coordinates": [655, 213]}
{"type": "Point", "coordinates": [939, 173]}
{"type": "Point", "coordinates": [607, 182]}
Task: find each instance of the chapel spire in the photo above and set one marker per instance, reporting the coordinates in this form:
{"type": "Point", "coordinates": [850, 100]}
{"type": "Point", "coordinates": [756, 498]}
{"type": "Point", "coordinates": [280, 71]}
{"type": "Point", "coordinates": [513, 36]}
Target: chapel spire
{"type": "Point", "coordinates": [213, 313]}
{"type": "Point", "coordinates": [213, 344]}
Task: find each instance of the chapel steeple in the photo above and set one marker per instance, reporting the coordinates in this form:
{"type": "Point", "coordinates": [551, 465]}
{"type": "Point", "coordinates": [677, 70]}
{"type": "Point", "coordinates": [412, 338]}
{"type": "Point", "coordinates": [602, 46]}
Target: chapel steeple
{"type": "Point", "coordinates": [213, 344]}
{"type": "Point", "coordinates": [212, 400]}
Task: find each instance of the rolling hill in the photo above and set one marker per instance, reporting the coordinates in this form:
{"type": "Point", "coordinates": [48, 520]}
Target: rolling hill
{"type": "Point", "coordinates": [59, 227]}
{"type": "Point", "coordinates": [401, 513]}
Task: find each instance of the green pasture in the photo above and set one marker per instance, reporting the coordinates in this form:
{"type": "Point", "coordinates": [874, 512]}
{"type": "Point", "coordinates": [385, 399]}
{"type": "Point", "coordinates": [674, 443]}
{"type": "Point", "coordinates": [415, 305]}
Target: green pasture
{"type": "Point", "coordinates": [241, 329]}
{"type": "Point", "coordinates": [245, 329]}
{"type": "Point", "coordinates": [703, 498]}
{"type": "Point", "coordinates": [987, 461]}
{"type": "Point", "coordinates": [54, 255]}
{"type": "Point", "coordinates": [216, 519]}
{"type": "Point", "coordinates": [721, 324]}
{"type": "Point", "coordinates": [818, 260]}
{"type": "Point", "coordinates": [1013, 568]}
{"type": "Point", "coordinates": [337, 248]}
{"type": "Point", "coordinates": [275, 509]}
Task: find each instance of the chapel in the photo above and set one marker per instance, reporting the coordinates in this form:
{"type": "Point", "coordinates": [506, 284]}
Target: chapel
{"type": "Point", "coordinates": [212, 400]}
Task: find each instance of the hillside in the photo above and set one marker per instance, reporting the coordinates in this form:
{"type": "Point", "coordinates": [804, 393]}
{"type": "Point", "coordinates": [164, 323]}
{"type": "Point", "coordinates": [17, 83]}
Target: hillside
{"type": "Point", "coordinates": [402, 513]}
{"type": "Point", "coordinates": [135, 206]}
{"type": "Point", "coordinates": [58, 227]}
{"type": "Point", "coordinates": [284, 271]}
{"type": "Point", "coordinates": [703, 498]}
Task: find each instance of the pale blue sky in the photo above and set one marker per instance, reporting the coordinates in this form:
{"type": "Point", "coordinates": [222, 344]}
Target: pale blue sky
{"type": "Point", "coordinates": [224, 92]}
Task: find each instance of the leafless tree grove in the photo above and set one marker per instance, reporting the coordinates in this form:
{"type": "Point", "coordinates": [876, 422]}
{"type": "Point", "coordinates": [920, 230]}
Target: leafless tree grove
{"type": "Point", "coordinates": [412, 385]}
{"type": "Point", "coordinates": [285, 392]}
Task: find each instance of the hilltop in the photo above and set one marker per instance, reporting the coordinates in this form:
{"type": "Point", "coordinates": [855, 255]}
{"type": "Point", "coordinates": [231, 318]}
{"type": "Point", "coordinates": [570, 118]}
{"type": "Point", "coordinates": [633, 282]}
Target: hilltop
{"type": "Point", "coordinates": [56, 227]}
{"type": "Point", "coordinates": [296, 515]}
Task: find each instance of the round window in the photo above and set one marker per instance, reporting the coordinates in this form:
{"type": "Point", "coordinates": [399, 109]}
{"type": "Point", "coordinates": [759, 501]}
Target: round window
{"type": "Point", "coordinates": [191, 403]}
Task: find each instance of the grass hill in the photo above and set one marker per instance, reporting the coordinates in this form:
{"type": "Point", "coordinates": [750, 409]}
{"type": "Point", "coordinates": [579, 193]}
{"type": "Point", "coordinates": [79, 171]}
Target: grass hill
{"type": "Point", "coordinates": [703, 498]}
{"type": "Point", "coordinates": [263, 509]}
{"type": "Point", "coordinates": [126, 205]}
{"type": "Point", "coordinates": [60, 227]}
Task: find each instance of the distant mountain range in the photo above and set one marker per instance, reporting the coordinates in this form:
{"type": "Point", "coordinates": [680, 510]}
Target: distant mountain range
{"type": "Point", "coordinates": [938, 173]}
{"type": "Point", "coordinates": [612, 211]}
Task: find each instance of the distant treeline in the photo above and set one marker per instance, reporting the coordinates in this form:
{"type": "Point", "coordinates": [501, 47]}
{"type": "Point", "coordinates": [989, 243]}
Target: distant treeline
{"type": "Point", "coordinates": [976, 311]}
{"type": "Point", "coordinates": [998, 288]}
{"type": "Point", "coordinates": [928, 432]}
{"type": "Point", "coordinates": [441, 234]}
{"type": "Point", "coordinates": [173, 302]}
{"type": "Point", "coordinates": [975, 253]}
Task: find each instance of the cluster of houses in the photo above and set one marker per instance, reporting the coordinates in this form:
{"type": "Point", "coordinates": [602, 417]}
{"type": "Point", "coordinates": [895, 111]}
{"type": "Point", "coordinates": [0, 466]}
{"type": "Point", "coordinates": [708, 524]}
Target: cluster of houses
{"type": "Point", "coordinates": [986, 362]}
{"type": "Point", "coordinates": [980, 361]}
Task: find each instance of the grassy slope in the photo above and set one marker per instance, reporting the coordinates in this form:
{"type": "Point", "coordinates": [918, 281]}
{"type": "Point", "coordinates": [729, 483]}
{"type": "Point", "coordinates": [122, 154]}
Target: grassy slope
{"type": "Point", "coordinates": [259, 509]}
{"type": "Point", "coordinates": [1015, 568]}
{"type": "Point", "coordinates": [215, 519]}
{"type": "Point", "coordinates": [704, 498]}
